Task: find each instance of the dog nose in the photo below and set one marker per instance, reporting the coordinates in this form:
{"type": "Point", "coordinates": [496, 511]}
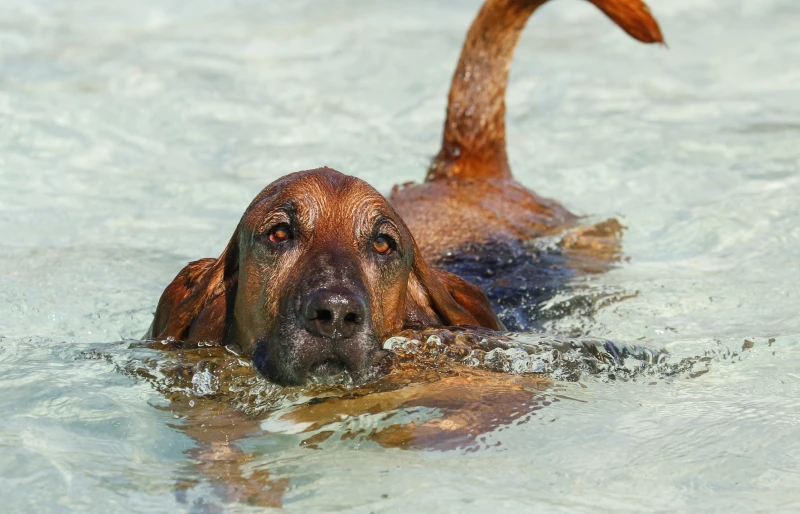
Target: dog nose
{"type": "Point", "coordinates": [335, 314]}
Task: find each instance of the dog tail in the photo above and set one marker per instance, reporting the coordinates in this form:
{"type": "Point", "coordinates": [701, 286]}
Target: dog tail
{"type": "Point", "coordinates": [474, 141]}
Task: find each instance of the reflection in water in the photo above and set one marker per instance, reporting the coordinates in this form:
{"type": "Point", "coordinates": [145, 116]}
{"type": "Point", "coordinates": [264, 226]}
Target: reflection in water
{"type": "Point", "coordinates": [445, 389]}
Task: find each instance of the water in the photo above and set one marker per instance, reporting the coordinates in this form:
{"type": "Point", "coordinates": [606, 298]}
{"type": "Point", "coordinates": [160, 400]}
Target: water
{"type": "Point", "coordinates": [133, 136]}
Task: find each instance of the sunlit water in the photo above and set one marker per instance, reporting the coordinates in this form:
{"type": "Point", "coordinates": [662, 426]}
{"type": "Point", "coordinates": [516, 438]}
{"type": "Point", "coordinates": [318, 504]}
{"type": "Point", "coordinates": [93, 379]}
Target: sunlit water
{"type": "Point", "coordinates": [133, 135]}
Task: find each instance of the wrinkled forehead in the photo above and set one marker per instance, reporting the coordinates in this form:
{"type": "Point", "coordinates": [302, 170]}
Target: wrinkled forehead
{"type": "Point", "coordinates": [316, 198]}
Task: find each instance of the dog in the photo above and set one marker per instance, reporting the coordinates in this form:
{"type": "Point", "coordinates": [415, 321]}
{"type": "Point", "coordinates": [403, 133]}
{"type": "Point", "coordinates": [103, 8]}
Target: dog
{"type": "Point", "coordinates": [322, 268]}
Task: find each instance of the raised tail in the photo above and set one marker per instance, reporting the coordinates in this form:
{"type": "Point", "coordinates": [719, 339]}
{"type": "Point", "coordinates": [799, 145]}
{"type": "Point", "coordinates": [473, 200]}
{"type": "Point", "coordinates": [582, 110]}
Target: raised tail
{"type": "Point", "coordinates": [474, 141]}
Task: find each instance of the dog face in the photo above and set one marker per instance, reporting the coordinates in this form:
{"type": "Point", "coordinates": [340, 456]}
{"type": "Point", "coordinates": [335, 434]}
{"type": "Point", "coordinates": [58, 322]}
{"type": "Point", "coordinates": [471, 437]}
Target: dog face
{"type": "Point", "coordinates": [319, 272]}
{"type": "Point", "coordinates": [324, 268]}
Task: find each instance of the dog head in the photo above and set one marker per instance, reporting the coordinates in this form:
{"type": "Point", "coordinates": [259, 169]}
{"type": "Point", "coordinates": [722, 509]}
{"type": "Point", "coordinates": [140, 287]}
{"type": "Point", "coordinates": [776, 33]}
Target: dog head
{"type": "Point", "coordinates": [319, 272]}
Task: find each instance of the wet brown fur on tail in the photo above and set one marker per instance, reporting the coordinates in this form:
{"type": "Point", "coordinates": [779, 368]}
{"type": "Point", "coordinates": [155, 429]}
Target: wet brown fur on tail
{"type": "Point", "coordinates": [474, 141]}
{"type": "Point", "coordinates": [469, 195]}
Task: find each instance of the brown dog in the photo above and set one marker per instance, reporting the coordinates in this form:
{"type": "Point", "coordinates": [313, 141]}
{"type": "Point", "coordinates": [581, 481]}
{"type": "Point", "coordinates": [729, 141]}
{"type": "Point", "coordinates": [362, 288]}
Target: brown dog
{"type": "Point", "coordinates": [322, 268]}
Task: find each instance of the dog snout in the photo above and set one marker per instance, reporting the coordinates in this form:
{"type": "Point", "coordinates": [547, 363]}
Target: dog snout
{"type": "Point", "coordinates": [334, 313]}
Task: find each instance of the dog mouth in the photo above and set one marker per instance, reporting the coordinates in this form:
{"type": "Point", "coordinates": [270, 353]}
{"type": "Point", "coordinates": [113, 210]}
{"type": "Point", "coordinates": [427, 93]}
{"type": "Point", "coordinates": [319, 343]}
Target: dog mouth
{"type": "Point", "coordinates": [329, 372]}
{"type": "Point", "coordinates": [327, 368]}
{"type": "Point", "coordinates": [312, 361]}
{"type": "Point", "coordinates": [333, 371]}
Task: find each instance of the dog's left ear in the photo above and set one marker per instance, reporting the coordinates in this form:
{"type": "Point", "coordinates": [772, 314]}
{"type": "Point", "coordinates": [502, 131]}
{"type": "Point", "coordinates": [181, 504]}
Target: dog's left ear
{"type": "Point", "coordinates": [436, 297]}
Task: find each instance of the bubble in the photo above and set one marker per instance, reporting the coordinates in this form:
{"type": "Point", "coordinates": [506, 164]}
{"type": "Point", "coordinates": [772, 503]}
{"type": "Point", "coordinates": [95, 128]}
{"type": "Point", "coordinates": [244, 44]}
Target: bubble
{"type": "Point", "coordinates": [204, 383]}
{"type": "Point", "coordinates": [514, 361]}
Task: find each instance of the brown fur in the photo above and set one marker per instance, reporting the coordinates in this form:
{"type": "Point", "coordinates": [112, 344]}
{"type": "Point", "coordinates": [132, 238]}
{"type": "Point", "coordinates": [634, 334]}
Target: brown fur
{"type": "Point", "coordinates": [201, 302]}
{"type": "Point", "coordinates": [469, 197]}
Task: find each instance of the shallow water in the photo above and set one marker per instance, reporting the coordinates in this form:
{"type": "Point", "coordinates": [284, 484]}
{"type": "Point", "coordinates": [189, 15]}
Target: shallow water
{"type": "Point", "coordinates": [133, 136]}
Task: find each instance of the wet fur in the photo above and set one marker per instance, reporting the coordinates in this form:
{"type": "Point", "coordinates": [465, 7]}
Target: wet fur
{"type": "Point", "coordinates": [469, 206]}
{"type": "Point", "coordinates": [470, 217]}
{"type": "Point", "coordinates": [247, 298]}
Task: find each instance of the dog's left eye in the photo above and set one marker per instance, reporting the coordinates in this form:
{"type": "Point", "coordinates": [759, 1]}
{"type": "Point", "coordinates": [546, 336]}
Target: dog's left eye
{"type": "Point", "coordinates": [280, 233]}
{"type": "Point", "coordinates": [383, 245]}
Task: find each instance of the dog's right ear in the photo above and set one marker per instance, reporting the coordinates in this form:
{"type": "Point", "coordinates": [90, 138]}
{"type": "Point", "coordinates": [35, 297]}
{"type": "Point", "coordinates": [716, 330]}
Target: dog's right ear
{"type": "Point", "coordinates": [439, 298]}
{"type": "Point", "coordinates": [197, 303]}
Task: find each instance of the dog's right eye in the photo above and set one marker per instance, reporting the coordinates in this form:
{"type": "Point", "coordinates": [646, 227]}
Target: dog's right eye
{"type": "Point", "coordinates": [384, 245]}
{"type": "Point", "coordinates": [279, 233]}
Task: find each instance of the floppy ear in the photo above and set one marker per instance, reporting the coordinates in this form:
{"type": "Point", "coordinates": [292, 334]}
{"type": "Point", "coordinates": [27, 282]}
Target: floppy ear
{"type": "Point", "coordinates": [471, 298]}
{"type": "Point", "coordinates": [439, 297]}
{"type": "Point", "coordinates": [198, 302]}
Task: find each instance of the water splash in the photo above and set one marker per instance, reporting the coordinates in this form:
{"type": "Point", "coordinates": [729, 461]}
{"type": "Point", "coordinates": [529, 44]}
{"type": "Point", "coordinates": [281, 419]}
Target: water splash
{"type": "Point", "coordinates": [204, 383]}
{"type": "Point", "coordinates": [185, 372]}
{"type": "Point", "coordinates": [566, 359]}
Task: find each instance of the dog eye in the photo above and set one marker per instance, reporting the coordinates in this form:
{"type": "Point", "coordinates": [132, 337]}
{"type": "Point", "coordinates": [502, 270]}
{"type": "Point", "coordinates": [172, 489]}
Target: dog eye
{"type": "Point", "coordinates": [280, 233]}
{"type": "Point", "coordinates": [383, 245]}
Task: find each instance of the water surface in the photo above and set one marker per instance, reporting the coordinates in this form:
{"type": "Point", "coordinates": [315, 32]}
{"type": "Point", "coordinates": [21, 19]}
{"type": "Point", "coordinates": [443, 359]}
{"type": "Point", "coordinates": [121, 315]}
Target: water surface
{"type": "Point", "coordinates": [133, 136]}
